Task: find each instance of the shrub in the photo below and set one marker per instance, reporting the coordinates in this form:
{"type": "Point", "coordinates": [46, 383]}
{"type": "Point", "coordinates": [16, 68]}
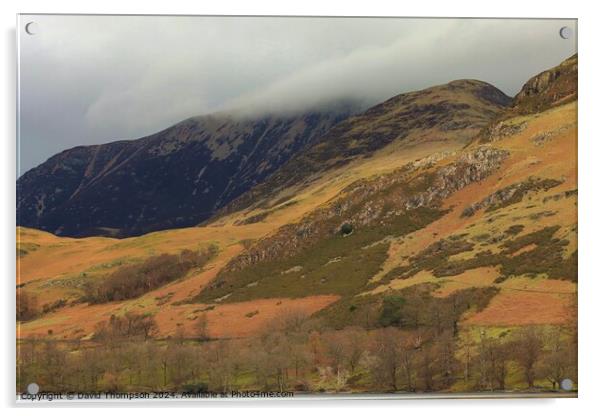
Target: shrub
{"type": "Point", "coordinates": [391, 310]}
{"type": "Point", "coordinates": [514, 229]}
{"type": "Point", "coordinates": [128, 326]}
{"type": "Point", "coordinates": [27, 306]}
{"type": "Point", "coordinates": [346, 228]}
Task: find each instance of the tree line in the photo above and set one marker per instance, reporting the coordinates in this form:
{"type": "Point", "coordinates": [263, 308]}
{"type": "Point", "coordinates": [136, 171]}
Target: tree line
{"type": "Point", "coordinates": [132, 281]}
{"type": "Point", "coordinates": [297, 353]}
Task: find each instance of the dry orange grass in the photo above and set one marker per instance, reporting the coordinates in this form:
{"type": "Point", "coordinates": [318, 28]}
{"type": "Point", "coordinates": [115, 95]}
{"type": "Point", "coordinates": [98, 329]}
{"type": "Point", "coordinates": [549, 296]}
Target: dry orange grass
{"type": "Point", "coordinates": [557, 160]}
{"type": "Point", "coordinates": [481, 277]}
{"type": "Point", "coordinates": [69, 323]}
{"type": "Point", "coordinates": [527, 301]}
{"type": "Point", "coordinates": [510, 308]}
{"type": "Point", "coordinates": [59, 258]}
{"type": "Point", "coordinates": [242, 319]}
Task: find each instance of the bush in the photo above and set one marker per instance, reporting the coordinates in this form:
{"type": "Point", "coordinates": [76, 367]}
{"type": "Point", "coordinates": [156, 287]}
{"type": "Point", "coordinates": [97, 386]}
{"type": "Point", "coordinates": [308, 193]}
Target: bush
{"type": "Point", "coordinates": [128, 326]}
{"type": "Point", "coordinates": [346, 229]}
{"type": "Point", "coordinates": [27, 306]}
{"type": "Point", "coordinates": [391, 310]}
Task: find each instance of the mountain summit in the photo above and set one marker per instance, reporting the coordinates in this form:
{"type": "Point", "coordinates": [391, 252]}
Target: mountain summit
{"type": "Point", "coordinates": [454, 112]}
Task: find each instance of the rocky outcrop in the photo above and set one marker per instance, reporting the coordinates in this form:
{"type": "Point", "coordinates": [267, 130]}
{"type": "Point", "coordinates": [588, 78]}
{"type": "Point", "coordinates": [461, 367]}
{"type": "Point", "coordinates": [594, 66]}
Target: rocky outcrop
{"type": "Point", "coordinates": [457, 110]}
{"type": "Point", "coordinates": [501, 130]}
{"type": "Point", "coordinates": [548, 89]}
{"type": "Point", "coordinates": [553, 87]}
{"type": "Point", "coordinates": [469, 168]}
{"type": "Point", "coordinates": [377, 201]}
{"type": "Point", "coordinates": [510, 195]}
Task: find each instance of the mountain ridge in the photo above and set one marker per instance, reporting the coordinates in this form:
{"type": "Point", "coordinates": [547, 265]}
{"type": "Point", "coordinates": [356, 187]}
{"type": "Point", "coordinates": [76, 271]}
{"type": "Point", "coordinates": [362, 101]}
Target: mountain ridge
{"type": "Point", "coordinates": [497, 219]}
{"type": "Point", "coordinates": [396, 118]}
{"type": "Point", "coordinates": [157, 182]}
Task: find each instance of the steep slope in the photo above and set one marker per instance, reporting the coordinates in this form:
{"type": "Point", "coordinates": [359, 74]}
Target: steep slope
{"type": "Point", "coordinates": [505, 210]}
{"type": "Point", "coordinates": [550, 88]}
{"type": "Point", "coordinates": [453, 111]}
{"type": "Point", "coordinates": [497, 216]}
{"type": "Point", "coordinates": [478, 233]}
{"type": "Point", "coordinates": [497, 219]}
{"type": "Point", "coordinates": [175, 178]}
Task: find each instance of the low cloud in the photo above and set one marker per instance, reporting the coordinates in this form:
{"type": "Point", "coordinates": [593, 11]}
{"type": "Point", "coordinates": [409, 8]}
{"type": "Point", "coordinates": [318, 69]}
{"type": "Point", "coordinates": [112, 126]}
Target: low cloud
{"type": "Point", "coordinates": [87, 79]}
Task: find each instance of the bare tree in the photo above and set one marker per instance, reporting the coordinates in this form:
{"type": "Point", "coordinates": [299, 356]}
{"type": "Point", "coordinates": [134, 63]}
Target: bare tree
{"type": "Point", "coordinates": [131, 325]}
{"type": "Point", "coordinates": [53, 365]}
{"type": "Point", "coordinates": [448, 365]}
{"type": "Point", "coordinates": [221, 358]}
{"type": "Point", "coordinates": [335, 349]}
{"type": "Point", "coordinates": [528, 349]}
{"type": "Point", "coordinates": [355, 342]}
{"type": "Point", "coordinates": [387, 351]}
{"type": "Point", "coordinates": [178, 357]}
{"type": "Point", "coordinates": [494, 357]}
{"type": "Point", "coordinates": [559, 360]}
{"type": "Point", "coordinates": [411, 346]}
{"type": "Point", "coordinates": [427, 362]}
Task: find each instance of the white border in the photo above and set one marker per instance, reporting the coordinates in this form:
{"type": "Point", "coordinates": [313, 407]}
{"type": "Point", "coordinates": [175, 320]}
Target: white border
{"type": "Point", "coordinates": [590, 152]}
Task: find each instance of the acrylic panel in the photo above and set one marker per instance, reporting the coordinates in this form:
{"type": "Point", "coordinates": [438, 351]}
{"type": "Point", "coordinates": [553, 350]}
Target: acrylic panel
{"type": "Point", "coordinates": [283, 207]}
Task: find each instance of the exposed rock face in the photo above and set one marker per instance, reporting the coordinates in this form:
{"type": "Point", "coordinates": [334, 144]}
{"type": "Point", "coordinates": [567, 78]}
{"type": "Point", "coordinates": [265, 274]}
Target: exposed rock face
{"type": "Point", "coordinates": [469, 168]}
{"type": "Point", "coordinates": [552, 87]}
{"type": "Point", "coordinates": [510, 194]}
{"type": "Point", "coordinates": [175, 178]}
{"type": "Point", "coordinates": [501, 130]}
{"type": "Point", "coordinates": [461, 107]}
{"type": "Point", "coordinates": [377, 201]}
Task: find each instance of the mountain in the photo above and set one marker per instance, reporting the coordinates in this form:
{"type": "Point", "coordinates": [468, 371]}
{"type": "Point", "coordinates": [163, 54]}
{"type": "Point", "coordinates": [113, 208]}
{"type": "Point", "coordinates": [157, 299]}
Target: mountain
{"type": "Point", "coordinates": [550, 88]}
{"type": "Point", "coordinates": [497, 214]}
{"type": "Point", "coordinates": [450, 112]}
{"type": "Point", "coordinates": [175, 178]}
{"type": "Point", "coordinates": [438, 229]}
{"type": "Point", "coordinates": [423, 212]}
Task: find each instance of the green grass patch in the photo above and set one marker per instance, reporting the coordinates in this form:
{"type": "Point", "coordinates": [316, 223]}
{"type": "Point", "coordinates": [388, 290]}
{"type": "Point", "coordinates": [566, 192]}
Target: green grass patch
{"type": "Point", "coordinates": [357, 260]}
{"type": "Point", "coordinates": [546, 257]}
{"type": "Point", "coordinates": [411, 308]}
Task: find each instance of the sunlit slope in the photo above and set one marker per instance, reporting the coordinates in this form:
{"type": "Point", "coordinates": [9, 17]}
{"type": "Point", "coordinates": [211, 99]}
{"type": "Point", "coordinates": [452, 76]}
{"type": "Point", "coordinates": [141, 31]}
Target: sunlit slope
{"type": "Point", "coordinates": [545, 146]}
{"type": "Point", "coordinates": [55, 268]}
{"type": "Point", "coordinates": [542, 146]}
{"type": "Point", "coordinates": [446, 209]}
{"type": "Point", "coordinates": [452, 112]}
{"type": "Point", "coordinates": [499, 215]}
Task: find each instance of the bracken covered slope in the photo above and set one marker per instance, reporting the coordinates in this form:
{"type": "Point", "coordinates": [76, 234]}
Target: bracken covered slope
{"type": "Point", "coordinates": [497, 216]}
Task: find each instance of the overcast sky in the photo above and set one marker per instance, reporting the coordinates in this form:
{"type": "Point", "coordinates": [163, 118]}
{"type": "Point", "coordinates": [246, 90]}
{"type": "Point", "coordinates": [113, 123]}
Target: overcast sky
{"type": "Point", "coordinates": [88, 80]}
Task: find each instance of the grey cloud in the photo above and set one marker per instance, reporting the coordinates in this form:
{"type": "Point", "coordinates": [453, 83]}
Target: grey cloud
{"type": "Point", "coordinates": [91, 79]}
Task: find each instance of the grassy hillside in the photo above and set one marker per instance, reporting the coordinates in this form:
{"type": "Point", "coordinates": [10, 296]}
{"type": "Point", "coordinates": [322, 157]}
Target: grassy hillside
{"type": "Point", "coordinates": [461, 239]}
{"type": "Point", "coordinates": [53, 268]}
